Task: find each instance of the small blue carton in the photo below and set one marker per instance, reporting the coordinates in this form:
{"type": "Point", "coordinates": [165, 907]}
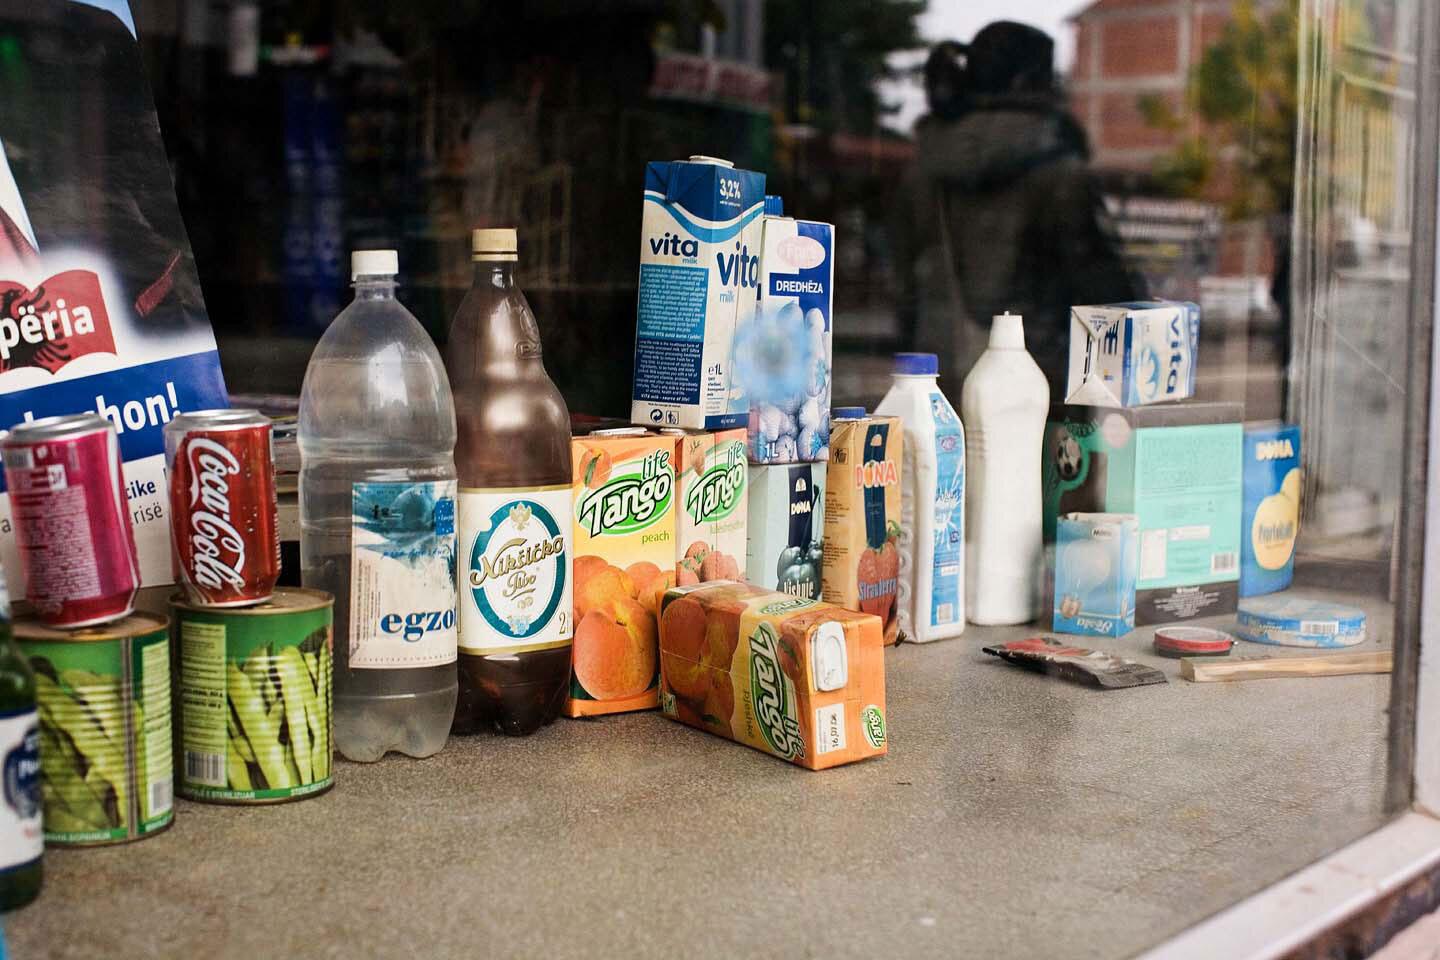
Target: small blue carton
{"type": "Point", "coordinates": [1095, 557]}
{"type": "Point", "coordinates": [1270, 512]}
{"type": "Point", "coordinates": [1132, 354]}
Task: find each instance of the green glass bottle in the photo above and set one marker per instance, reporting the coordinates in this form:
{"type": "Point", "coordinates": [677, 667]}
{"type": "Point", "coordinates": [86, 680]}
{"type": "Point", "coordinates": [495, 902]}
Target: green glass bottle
{"type": "Point", "coordinates": [22, 842]}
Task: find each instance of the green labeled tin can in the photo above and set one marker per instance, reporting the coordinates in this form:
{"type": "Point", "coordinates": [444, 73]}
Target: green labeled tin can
{"type": "Point", "coordinates": [255, 698]}
{"type": "Point", "coordinates": [106, 761]}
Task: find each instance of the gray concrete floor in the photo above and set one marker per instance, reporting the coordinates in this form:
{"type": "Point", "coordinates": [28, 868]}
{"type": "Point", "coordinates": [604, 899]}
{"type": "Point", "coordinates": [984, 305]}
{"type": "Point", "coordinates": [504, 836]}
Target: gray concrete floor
{"type": "Point", "coordinates": [1015, 816]}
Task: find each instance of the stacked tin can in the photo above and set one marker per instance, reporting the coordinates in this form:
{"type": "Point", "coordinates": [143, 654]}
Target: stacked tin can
{"type": "Point", "coordinates": [254, 660]}
{"type": "Point", "coordinates": [102, 671]}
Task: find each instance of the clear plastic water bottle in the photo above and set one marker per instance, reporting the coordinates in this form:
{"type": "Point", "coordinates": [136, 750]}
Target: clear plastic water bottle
{"type": "Point", "coordinates": [377, 518]}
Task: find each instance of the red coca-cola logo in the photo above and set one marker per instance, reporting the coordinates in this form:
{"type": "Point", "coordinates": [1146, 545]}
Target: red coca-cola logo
{"type": "Point", "coordinates": [53, 323]}
{"type": "Point", "coordinates": [212, 534]}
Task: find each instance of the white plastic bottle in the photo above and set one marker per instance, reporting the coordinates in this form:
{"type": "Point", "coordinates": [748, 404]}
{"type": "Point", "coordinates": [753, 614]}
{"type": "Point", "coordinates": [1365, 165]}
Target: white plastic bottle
{"type": "Point", "coordinates": [932, 502]}
{"type": "Point", "coordinates": [377, 518]}
{"type": "Point", "coordinates": [1003, 403]}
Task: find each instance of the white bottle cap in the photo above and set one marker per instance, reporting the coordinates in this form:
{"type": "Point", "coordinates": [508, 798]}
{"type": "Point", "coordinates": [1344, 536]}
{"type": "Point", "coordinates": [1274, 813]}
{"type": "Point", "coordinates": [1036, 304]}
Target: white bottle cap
{"type": "Point", "coordinates": [702, 158]}
{"type": "Point", "coordinates": [374, 263]}
{"type": "Point", "coordinates": [1007, 331]}
{"type": "Point", "coordinates": [497, 243]}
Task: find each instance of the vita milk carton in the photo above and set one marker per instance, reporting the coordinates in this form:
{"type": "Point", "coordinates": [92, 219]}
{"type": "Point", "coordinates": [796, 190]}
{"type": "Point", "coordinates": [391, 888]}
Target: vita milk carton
{"type": "Point", "coordinates": [1132, 354]}
{"type": "Point", "coordinates": [700, 236]}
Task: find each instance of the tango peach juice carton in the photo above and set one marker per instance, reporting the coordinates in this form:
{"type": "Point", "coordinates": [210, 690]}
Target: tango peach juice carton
{"type": "Point", "coordinates": [711, 510]}
{"type": "Point", "coordinates": [798, 679]}
{"type": "Point", "coordinates": [624, 537]}
{"type": "Point", "coordinates": [861, 555]}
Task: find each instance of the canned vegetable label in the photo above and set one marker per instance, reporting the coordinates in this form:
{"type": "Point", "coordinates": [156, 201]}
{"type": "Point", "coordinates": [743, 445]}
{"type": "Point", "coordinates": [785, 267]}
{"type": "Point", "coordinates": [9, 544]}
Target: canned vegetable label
{"type": "Point", "coordinates": [255, 700]}
{"type": "Point", "coordinates": [105, 746]}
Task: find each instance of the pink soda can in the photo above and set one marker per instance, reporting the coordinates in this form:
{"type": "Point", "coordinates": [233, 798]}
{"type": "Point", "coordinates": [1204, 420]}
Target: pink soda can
{"type": "Point", "coordinates": [71, 519]}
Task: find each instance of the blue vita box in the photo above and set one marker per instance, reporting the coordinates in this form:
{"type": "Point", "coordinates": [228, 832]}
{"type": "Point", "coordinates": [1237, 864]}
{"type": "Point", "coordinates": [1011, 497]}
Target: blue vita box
{"type": "Point", "coordinates": [1095, 567]}
{"type": "Point", "coordinates": [699, 274]}
{"type": "Point", "coordinates": [1270, 517]}
{"type": "Point", "coordinates": [1132, 354]}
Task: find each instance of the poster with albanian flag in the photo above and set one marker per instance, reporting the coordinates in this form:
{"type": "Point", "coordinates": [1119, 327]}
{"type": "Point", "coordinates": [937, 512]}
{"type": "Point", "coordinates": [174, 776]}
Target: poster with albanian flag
{"type": "Point", "coordinates": [100, 305]}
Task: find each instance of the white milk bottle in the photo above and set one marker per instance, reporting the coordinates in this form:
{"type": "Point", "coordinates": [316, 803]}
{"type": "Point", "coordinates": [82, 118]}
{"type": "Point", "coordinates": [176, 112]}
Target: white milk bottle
{"type": "Point", "coordinates": [1003, 402]}
{"type": "Point", "coordinates": [932, 502]}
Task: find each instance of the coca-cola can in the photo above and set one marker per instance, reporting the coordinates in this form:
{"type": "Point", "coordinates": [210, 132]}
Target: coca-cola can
{"type": "Point", "coordinates": [71, 519]}
{"type": "Point", "coordinates": [225, 544]}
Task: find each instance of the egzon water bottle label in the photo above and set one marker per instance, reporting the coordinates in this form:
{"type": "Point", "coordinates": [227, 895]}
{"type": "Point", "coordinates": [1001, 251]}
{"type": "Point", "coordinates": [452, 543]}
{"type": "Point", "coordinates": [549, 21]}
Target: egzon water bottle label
{"type": "Point", "coordinates": [21, 839]}
{"type": "Point", "coordinates": [949, 571]}
{"type": "Point", "coordinates": [515, 569]}
{"type": "Point", "coordinates": [402, 575]}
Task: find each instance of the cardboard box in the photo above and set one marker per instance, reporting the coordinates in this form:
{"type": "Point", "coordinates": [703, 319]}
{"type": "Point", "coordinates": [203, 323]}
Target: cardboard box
{"type": "Point", "coordinates": [1095, 574]}
{"type": "Point", "coordinates": [861, 568]}
{"type": "Point", "coordinates": [783, 356]}
{"type": "Point", "coordinates": [798, 679]}
{"type": "Point", "coordinates": [787, 524]}
{"type": "Point", "coordinates": [700, 235]}
{"type": "Point", "coordinates": [1132, 354]}
{"type": "Point", "coordinates": [712, 510]}
{"type": "Point", "coordinates": [624, 542]}
{"type": "Point", "coordinates": [1270, 518]}
{"type": "Point", "coordinates": [1178, 469]}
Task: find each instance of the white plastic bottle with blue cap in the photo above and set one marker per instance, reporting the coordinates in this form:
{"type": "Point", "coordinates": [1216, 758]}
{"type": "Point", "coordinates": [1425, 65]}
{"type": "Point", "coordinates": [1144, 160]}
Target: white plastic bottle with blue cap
{"type": "Point", "coordinates": [1003, 402]}
{"type": "Point", "coordinates": [931, 591]}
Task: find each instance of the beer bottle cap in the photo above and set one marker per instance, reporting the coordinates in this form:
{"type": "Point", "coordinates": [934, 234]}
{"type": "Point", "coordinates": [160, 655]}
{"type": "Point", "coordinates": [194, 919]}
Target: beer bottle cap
{"type": "Point", "coordinates": [493, 244]}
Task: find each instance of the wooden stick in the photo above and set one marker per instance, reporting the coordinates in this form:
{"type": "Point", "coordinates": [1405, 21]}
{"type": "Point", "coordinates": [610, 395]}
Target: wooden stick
{"type": "Point", "coordinates": [1207, 669]}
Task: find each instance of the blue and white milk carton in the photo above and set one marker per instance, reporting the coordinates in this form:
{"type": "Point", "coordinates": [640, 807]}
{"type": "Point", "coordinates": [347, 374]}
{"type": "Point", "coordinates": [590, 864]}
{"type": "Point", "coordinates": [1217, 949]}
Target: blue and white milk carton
{"type": "Point", "coordinates": [1095, 569]}
{"type": "Point", "coordinates": [783, 356]}
{"type": "Point", "coordinates": [1132, 354]}
{"type": "Point", "coordinates": [1270, 512]}
{"type": "Point", "coordinates": [700, 236]}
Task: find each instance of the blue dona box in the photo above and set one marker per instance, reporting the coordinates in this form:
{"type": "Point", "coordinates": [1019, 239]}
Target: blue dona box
{"type": "Point", "coordinates": [1270, 511]}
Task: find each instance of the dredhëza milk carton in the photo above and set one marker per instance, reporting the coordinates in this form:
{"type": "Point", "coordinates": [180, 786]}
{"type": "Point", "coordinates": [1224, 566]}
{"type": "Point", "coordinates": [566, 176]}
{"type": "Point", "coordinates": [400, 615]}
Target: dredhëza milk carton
{"type": "Point", "coordinates": [700, 239]}
{"type": "Point", "coordinates": [783, 356]}
{"type": "Point", "coordinates": [1132, 354]}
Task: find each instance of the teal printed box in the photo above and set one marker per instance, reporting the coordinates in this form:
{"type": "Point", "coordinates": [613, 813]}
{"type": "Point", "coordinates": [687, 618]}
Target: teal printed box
{"type": "Point", "coordinates": [1178, 468]}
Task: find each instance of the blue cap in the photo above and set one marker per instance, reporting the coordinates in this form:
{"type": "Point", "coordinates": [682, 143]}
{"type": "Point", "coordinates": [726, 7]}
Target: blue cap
{"type": "Point", "coordinates": [917, 364]}
{"type": "Point", "coordinates": [847, 413]}
{"type": "Point", "coordinates": [774, 206]}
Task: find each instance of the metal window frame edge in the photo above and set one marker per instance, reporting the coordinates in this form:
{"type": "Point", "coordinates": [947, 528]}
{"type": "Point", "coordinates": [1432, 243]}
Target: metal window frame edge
{"type": "Point", "coordinates": [1321, 897]}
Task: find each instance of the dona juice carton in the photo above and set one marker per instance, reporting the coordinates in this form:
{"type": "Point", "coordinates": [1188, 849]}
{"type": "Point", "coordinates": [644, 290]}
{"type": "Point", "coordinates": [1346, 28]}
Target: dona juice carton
{"type": "Point", "coordinates": [711, 511]}
{"type": "Point", "coordinates": [624, 536]}
{"type": "Point", "coordinates": [1095, 573]}
{"type": "Point", "coordinates": [787, 511]}
{"type": "Point", "coordinates": [783, 356]}
{"type": "Point", "coordinates": [1132, 354]}
{"type": "Point", "coordinates": [699, 267]}
{"type": "Point", "coordinates": [799, 679]}
{"type": "Point", "coordinates": [1270, 517]}
{"type": "Point", "coordinates": [861, 569]}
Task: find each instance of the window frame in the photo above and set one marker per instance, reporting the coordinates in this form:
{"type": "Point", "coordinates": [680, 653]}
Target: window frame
{"type": "Point", "coordinates": [1318, 899]}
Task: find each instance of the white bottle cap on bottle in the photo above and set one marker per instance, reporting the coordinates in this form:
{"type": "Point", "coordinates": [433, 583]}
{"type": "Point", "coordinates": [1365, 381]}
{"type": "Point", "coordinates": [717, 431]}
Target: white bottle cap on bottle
{"type": "Point", "coordinates": [497, 243]}
{"type": "Point", "coordinates": [1007, 331]}
{"type": "Point", "coordinates": [374, 263]}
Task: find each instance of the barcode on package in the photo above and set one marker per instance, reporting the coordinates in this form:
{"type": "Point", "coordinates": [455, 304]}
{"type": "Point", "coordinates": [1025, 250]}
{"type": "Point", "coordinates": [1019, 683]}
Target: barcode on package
{"type": "Point", "coordinates": [162, 795]}
{"type": "Point", "coordinates": [1316, 626]}
{"type": "Point", "coordinates": [944, 613]}
{"type": "Point", "coordinates": [1224, 562]}
{"type": "Point", "coordinates": [207, 769]}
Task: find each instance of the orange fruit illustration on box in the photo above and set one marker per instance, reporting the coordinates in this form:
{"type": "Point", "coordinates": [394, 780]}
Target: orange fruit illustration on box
{"type": "Point", "coordinates": [595, 466]}
{"type": "Point", "coordinates": [615, 649]}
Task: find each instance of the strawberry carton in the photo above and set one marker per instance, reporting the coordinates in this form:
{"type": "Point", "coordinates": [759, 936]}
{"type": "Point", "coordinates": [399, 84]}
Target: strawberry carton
{"type": "Point", "coordinates": [861, 554]}
{"type": "Point", "coordinates": [798, 679]}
